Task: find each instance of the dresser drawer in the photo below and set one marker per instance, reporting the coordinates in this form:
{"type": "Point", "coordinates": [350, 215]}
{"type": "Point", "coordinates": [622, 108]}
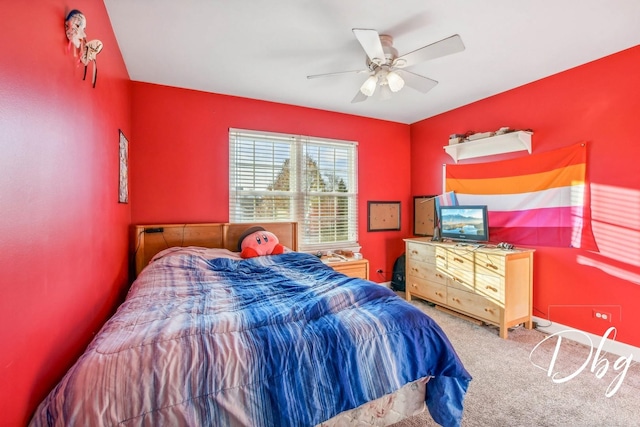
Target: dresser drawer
{"type": "Point", "coordinates": [422, 288]}
{"type": "Point", "coordinates": [426, 271]}
{"type": "Point", "coordinates": [416, 251]}
{"type": "Point", "coordinates": [474, 305]}
{"type": "Point", "coordinates": [460, 259]}
{"type": "Point", "coordinates": [491, 287]}
{"type": "Point", "coordinates": [441, 258]}
{"type": "Point", "coordinates": [461, 268]}
{"type": "Point", "coordinates": [457, 281]}
{"type": "Point", "coordinates": [490, 264]}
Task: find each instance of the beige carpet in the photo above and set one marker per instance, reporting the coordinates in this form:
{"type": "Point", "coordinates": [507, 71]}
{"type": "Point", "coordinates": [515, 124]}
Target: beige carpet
{"type": "Point", "coordinates": [508, 390]}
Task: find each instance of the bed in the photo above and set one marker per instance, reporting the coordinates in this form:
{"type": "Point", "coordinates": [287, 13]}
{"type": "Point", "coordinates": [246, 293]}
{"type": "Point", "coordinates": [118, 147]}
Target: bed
{"type": "Point", "coordinates": [206, 338]}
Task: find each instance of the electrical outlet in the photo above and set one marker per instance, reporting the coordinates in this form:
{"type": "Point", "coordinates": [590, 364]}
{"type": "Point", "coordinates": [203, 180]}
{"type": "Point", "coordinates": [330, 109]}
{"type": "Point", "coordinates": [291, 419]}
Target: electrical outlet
{"type": "Point", "coordinates": [602, 315]}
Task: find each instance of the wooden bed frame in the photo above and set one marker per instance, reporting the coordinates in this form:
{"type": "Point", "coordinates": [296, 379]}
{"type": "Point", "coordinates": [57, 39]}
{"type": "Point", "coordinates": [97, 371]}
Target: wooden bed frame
{"type": "Point", "coordinates": [148, 240]}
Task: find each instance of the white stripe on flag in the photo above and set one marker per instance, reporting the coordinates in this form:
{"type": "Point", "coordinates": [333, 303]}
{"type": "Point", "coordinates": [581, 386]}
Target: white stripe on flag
{"type": "Point", "coordinates": [552, 198]}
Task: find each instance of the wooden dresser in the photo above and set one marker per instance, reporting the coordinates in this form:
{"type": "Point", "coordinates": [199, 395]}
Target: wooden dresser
{"type": "Point", "coordinates": [351, 267]}
{"type": "Point", "coordinates": [485, 283]}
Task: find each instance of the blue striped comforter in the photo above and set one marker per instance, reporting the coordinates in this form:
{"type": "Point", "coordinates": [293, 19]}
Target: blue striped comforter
{"type": "Point", "coordinates": [269, 341]}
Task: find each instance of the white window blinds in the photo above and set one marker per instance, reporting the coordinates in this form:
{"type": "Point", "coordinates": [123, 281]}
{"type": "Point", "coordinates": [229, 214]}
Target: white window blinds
{"type": "Point", "coordinates": [279, 177]}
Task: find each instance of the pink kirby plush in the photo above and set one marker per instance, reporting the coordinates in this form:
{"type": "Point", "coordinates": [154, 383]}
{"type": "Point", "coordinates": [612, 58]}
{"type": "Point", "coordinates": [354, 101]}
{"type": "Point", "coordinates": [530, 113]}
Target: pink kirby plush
{"type": "Point", "coordinates": [256, 241]}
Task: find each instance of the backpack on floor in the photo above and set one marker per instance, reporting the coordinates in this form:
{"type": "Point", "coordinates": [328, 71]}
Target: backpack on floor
{"type": "Point", "coordinates": [398, 277]}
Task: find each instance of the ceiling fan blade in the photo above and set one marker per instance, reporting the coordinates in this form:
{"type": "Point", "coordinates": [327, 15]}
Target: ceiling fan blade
{"type": "Point", "coordinates": [370, 42]}
{"type": "Point", "coordinates": [440, 48]}
{"type": "Point", "coordinates": [417, 82]}
{"type": "Point", "coordinates": [316, 76]}
{"type": "Point", "coordinates": [360, 97]}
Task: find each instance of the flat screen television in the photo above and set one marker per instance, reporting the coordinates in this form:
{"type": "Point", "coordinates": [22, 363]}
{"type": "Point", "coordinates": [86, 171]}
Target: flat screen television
{"type": "Point", "coordinates": [464, 223]}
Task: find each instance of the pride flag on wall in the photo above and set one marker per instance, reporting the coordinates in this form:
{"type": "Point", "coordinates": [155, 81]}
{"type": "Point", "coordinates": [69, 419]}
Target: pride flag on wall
{"type": "Point", "coordinates": [534, 200]}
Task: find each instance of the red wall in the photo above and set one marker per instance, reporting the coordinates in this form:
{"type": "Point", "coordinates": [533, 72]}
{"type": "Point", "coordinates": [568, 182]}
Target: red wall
{"type": "Point", "coordinates": [180, 158]}
{"type": "Point", "coordinates": [63, 235]}
{"type": "Point", "coordinates": [598, 103]}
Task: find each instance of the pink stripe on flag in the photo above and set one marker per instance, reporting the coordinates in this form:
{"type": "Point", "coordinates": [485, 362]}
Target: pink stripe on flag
{"type": "Point", "coordinates": [562, 217]}
{"type": "Point", "coordinates": [547, 236]}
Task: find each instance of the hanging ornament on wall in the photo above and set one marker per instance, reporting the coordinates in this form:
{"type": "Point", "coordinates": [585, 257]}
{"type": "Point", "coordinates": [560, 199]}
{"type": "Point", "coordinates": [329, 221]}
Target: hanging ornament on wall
{"type": "Point", "coordinates": [75, 26]}
{"type": "Point", "coordinates": [86, 52]}
{"type": "Point", "coordinates": [91, 51]}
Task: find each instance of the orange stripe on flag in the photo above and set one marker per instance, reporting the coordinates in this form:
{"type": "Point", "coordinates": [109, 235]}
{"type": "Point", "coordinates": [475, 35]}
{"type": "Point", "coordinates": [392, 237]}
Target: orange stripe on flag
{"type": "Point", "coordinates": [563, 177]}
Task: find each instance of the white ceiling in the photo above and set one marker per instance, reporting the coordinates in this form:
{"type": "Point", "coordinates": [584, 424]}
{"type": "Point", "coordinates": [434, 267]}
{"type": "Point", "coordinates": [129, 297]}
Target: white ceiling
{"type": "Point", "coordinates": [264, 49]}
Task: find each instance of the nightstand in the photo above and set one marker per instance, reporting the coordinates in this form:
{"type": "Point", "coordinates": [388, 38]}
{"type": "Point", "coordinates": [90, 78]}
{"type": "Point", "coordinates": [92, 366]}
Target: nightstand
{"type": "Point", "coordinates": [351, 267]}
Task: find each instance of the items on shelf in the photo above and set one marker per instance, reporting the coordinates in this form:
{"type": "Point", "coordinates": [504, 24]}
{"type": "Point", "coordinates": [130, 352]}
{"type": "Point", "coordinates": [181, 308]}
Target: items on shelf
{"type": "Point", "coordinates": [458, 138]}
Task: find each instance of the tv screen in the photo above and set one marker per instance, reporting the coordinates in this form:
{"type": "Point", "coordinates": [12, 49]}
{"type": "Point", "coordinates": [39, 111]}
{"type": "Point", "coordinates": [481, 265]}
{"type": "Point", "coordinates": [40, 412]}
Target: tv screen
{"type": "Point", "coordinates": [466, 223]}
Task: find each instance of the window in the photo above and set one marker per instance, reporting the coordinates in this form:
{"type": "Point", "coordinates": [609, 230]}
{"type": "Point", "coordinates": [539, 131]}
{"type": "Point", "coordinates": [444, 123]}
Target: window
{"type": "Point", "coordinates": [279, 177]}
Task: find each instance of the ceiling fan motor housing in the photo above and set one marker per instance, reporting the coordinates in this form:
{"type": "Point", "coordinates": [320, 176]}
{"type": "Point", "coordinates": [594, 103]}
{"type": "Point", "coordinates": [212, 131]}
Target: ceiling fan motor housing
{"type": "Point", "coordinates": [390, 54]}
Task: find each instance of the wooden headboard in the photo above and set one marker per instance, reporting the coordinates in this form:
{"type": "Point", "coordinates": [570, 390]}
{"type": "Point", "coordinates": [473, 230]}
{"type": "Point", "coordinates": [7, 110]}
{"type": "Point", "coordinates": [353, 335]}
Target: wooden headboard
{"type": "Point", "coordinates": [148, 240]}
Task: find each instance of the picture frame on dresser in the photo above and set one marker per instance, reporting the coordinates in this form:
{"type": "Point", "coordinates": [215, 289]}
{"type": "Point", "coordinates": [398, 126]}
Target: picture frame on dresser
{"type": "Point", "coordinates": [424, 215]}
{"type": "Point", "coordinates": [383, 216]}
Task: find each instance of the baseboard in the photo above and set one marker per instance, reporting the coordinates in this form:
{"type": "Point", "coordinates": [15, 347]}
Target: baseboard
{"type": "Point", "coordinates": [587, 338]}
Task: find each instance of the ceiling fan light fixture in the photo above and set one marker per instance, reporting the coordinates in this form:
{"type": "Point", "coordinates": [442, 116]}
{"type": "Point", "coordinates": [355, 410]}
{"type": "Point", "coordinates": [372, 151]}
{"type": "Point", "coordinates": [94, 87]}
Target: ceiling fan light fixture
{"type": "Point", "coordinates": [369, 85]}
{"type": "Point", "coordinates": [385, 92]}
{"type": "Point", "coordinates": [394, 81]}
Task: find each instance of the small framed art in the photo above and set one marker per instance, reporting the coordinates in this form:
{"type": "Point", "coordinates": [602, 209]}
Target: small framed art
{"type": "Point", "coordinates": [123, 187]}
{"type": "Point", "coordinates": [383, 216]}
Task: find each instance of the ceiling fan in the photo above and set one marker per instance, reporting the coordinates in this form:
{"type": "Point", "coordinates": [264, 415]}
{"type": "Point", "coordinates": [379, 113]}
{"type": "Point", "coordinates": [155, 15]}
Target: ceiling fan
{"type": "Point", "coordinates": [388, 70]}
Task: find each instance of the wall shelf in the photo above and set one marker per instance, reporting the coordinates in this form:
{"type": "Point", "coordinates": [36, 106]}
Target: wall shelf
{"type": "Point", "coordinates": [505, 143]}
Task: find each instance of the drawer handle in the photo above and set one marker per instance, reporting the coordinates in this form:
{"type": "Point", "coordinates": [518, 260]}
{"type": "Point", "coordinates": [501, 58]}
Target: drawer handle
{"type": "Point", "coordinates": [489, 265]}
{"type": "Point", "coordinates": [489, 310]}
{"type": "Point", "coordinates": [439, 294]}
{"type": "Point", "coordinates": [458, 280]}
{"type": "Point", "coordinates": [414, 285]}
{"type": "Point", "coordinates": [460, 260]}
{"type": "Point", "coordinates": [414, 252]}
{"type": "Point", "coordinates": [456, 300]}
{"type": "Point", "coordinates": [439, 275]}
{"type": "Point", "coordinates": [415, 270]}
{"type": "Point", "coordinates": [440, 257]}
{"type": "Point", "coordinates": [491, 288]}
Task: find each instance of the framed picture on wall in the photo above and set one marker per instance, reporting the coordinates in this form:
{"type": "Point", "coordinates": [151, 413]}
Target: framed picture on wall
{"type": "Point", "coordinates": [383, 216]}
{"type": "Point", "coordinates": [123, 187]}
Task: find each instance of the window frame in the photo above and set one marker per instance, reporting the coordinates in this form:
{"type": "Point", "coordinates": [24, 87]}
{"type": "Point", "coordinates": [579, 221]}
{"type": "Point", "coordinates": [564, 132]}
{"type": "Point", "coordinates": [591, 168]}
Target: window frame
{"type": "Point", "coordinates": [345, 153]}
